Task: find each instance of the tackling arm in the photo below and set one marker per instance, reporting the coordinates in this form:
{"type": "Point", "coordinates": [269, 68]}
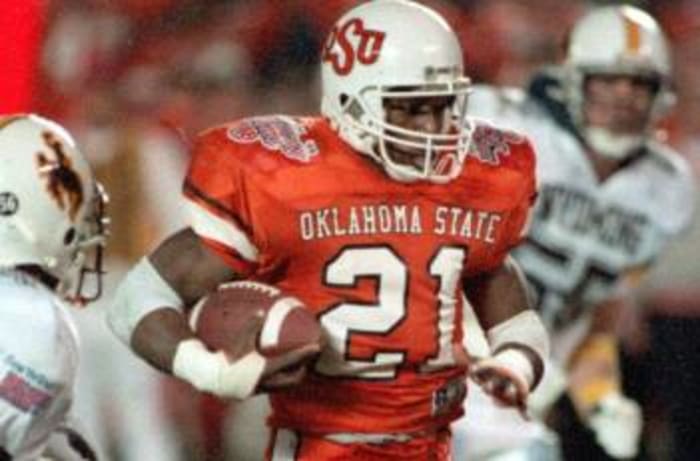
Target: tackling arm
{"type": "Point", "coordinates": [519, 342]}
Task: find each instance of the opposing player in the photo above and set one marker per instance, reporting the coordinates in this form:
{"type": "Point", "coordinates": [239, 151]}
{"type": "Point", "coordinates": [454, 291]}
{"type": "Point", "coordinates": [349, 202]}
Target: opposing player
{"type": "Point", "coordinates": [378, 215]}
{"type": "Point", "coordinates": [611, 197]}
{"type": "Point", "coordinates": [51, 236]}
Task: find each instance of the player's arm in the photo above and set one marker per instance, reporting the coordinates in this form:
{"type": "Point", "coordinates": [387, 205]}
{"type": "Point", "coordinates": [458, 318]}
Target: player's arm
{"type": "Point", "coordinates": [595, 384]}
{"type": "Point", "coordinates": [149, 314]}
{"type": "Point", "coordinates": [517, 338]}
{"type": "Point", "coordinates": [594, 369]}
{"type": "Point", "coordinates": [190, 271]}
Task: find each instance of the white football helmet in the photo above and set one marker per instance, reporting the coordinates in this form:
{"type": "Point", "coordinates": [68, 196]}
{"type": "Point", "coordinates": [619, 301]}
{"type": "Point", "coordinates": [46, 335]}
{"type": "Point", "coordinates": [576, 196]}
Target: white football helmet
{"type": "Point", "coordinates": [617, 40]}
{"type": "Point", "coordinates": [397, 49]}
{"type": "Point", "coordinates": [51, 207]}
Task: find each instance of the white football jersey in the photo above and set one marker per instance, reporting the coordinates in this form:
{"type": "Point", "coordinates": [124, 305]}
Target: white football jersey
{"type": "Point", "coordinates": [38, 364]}
{"type": "Point", "coordinates": [585, 233]}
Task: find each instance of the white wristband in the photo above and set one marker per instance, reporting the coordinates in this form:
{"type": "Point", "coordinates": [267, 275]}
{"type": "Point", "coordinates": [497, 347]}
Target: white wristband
{"type": "Point", "coordinates": [523, 331]}
{"type": "Point", "coordinates": [525, 328]}
{"type": "Point", "coordinates": [212, 372]}
{"type": "Point", "coordinates": [517, 363]}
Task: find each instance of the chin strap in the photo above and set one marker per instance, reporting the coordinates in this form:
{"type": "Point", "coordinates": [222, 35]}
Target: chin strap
{"type": "Point", "coordinates": [615, 146]}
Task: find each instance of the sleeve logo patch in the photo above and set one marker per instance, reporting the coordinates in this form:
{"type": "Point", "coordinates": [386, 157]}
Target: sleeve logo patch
{"type": "Point", "coordinates": [490, 144]}
{"type": "Point", "coordinates": [19, 393]}
{"type": "Point", "coordinates": [274, 133]}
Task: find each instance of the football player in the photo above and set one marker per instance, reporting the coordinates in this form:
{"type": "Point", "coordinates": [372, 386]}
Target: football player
{"type": "Point", "coordinates": [378, 215]}
{"type": "Point", "coordinates": [611, 196]}
{"type": "Point", "coordinates": [52, 230]}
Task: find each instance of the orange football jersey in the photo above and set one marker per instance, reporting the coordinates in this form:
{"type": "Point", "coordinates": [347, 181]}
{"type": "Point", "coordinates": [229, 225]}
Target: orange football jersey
{"type": "Point", "coordinates": [284, 200]}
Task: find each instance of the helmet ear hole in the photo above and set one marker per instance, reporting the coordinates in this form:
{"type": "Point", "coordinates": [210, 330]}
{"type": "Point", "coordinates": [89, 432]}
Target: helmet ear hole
{"type": "Point", "coordinates": [343, 99]}
{"type": "Point", "coordinates": [69, 236]}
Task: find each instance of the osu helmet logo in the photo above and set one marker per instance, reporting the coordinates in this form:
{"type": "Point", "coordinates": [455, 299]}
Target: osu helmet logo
{"type": "Point", "coordinates": [350, 42]}
{"type": "Point", "coordinates": [62, 182]}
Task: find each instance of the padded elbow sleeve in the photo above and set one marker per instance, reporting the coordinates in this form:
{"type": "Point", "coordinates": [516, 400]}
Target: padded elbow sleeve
{"type": "Point", "coordinates": [141, 292]}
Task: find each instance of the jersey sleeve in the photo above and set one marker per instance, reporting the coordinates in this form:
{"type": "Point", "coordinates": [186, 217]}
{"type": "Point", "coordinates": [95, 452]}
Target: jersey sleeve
{"type": "Point", "coordinates": [519, 217]}
{"type": "Point", "coordinates": [216, 204]}
{"type": "Point", "coordinates": [677, 202]}
{"type": "Point", "coordinates": [37, 371]}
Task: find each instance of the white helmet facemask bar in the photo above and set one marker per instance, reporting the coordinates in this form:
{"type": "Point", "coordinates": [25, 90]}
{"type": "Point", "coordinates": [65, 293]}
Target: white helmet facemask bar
{"type": "Point", "coordinates": [83, 283]}
{"type": "Point", "coordinates": [444, 152]}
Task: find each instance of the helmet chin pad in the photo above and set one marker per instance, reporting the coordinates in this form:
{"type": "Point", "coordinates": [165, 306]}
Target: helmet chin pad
{"type": "Point", "coordinates": [610, 145]}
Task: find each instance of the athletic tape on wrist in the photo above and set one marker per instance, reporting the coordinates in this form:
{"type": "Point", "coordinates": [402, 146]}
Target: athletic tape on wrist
{"type": "Point", "coordinates": [525, 335]}
{"type": "Point", "coordinates": [212, 372]}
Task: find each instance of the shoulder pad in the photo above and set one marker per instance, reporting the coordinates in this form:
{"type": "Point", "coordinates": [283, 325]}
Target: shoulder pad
{"type": "Point", "coordinates": [491, 144]}
{"type": "Point", "coordinates": [486, 100]}
{"type": "Point", "coordinates": [676, 187]}
{"type": "Point", "coordinates": [668, 159]}
{"type": "Point", "coordinates": [281, 134]}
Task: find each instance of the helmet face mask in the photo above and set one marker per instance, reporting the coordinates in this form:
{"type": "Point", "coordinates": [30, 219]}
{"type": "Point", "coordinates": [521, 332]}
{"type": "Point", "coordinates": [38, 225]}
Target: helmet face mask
{"type": "Point", "coordinates": [615, 46]}
{"type": "Point", "coordinates": [415, 57]}
{"type": "Point", "coordinates": [57, 224]}
{"type": "Point", "coordinates": [82, 279]}
{"type": "Point", "coordinates": [409, 152]}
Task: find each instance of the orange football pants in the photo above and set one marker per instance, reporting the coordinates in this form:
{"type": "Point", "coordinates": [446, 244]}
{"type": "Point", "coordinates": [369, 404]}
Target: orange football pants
{"type": "Point", "coordinates": [288, 445]}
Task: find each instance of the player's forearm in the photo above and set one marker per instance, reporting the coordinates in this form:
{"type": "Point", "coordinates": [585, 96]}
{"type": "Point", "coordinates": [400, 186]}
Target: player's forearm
{"type": "Point", "coordinates": [144, 292]}
{"type": "Point", "coordinates": [607, 315]}
{"type": "Point", "coordinates": [594, 369]}
{"type": "Point", "coordinates": [148, 310]}
{"type": "Point", "coordinates": [499, 295]}
{"type": "Point", "coordinates": [149, 314]}
{"type": "Point", "coordinates": [595, 390]}
{"type": "Point", "coordinates": [158, 335]}
{"type": "Point", "coordinates": [594, 372]}
{"type": "Point", "coordinates": [519, 342]}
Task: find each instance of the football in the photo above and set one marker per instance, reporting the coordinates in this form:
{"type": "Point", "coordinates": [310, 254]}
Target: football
{"type": "Point", "coordinates": [223, 315]}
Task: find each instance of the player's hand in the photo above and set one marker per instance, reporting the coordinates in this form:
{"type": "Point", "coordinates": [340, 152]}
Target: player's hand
{"type": "Point", "coordinates": [287, 370]}
{"type": "Point", "coordinates": [237, 372]}
{"type": "Point", "coordinates": [281, 370]}
{"type": "Point", "coordinates": [287, 377]}
{"type": "Point", "coordinates": [504, 386]}
{"type": "Point", "coordinates": [617, 425]}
